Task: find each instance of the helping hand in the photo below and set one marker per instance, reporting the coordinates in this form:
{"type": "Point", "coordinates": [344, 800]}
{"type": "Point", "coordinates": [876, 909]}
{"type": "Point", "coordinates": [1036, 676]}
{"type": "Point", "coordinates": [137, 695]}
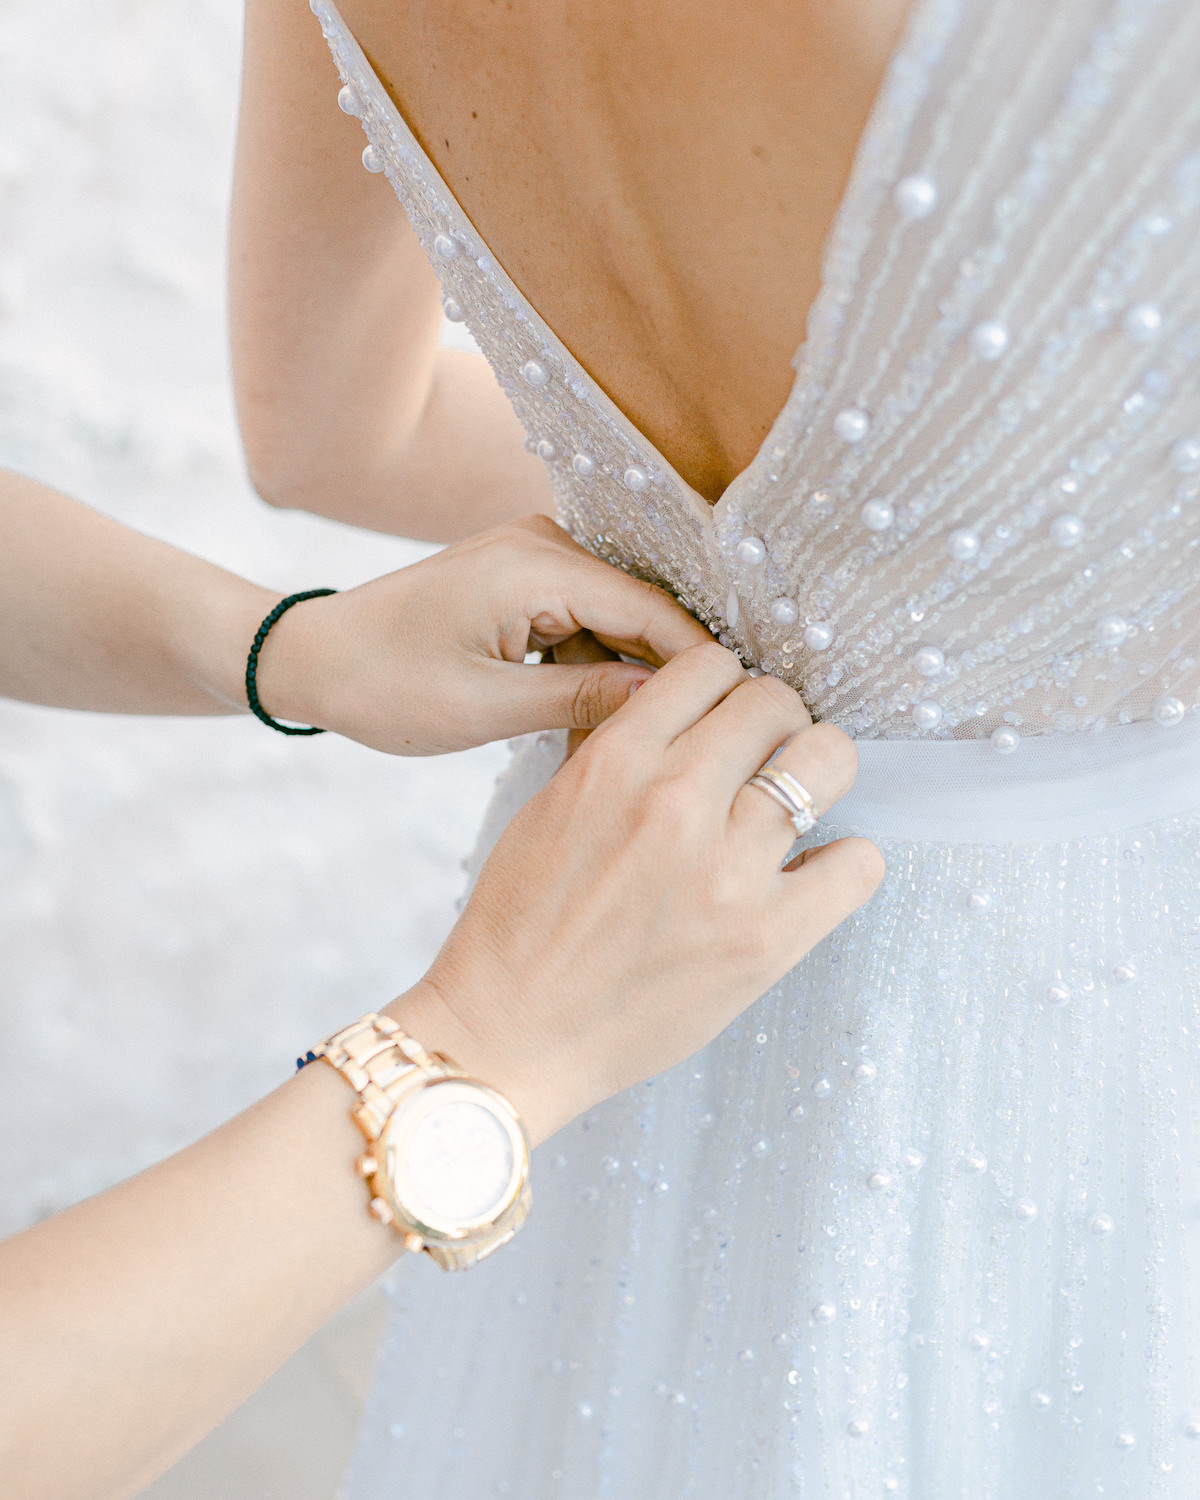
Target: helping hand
{"type": "Point", "coordinates": [431, 658]}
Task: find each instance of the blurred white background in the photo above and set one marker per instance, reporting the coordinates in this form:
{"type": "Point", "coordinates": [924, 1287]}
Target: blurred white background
{"type": "Point", "coordinates": [184, 904]}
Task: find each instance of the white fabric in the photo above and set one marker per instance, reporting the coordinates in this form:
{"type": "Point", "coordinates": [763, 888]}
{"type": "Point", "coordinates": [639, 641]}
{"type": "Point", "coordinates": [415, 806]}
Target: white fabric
{"type": "Point", "coordinates": [1032, 496]}
{"type": "Point", "coordinates": [1051, 788]}
{"type": "Point", "coordinates": [926, 1222]}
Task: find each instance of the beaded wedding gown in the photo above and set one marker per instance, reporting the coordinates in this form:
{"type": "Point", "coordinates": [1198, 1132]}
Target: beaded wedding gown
{"type": "Point", "coordinates": [926, 1222]}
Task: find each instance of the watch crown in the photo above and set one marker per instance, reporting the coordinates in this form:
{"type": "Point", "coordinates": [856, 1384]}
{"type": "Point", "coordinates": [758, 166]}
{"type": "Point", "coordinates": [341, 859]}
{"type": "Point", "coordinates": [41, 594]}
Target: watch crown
{"type": "Point", "coordinates": [366, 1166]}
{"type": "Point", "coordinates": [381, 1209]}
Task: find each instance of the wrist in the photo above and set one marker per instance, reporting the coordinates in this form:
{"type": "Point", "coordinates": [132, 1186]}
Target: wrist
{"type": "Point", "coordinates": [533, 1087]}
{"type": "Point", "coordinates": [293, 663]}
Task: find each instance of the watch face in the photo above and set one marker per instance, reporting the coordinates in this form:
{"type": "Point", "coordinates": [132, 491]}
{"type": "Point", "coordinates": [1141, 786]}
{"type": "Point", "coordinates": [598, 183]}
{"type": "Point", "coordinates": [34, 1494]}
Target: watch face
{"type": "Point", "coordinates": [454, 1157]}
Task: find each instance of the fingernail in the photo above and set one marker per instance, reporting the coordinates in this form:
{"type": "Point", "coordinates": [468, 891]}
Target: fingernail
{"type": "Point", "coordinates": [633, 686]}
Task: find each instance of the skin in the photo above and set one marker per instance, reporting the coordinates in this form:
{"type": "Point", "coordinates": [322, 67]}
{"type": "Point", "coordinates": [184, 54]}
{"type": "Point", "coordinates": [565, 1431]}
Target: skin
{"type": "Point", "coordinates": [663, 206]}
{"type": "Point", "coordinates": [94, 615]}
{"type": "Point", "coordinates": [590, 956]}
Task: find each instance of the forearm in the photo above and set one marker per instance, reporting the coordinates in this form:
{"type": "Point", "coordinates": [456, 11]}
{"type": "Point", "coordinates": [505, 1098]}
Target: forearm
{"type": "Point", "coordinates": [132, 1324]}
{"type": "Point", "coordinates": [347, 406]}
{"type": "Point", "coordinates": [96, 616]}
{"type": "Point", "coordinates": [136, 1321]}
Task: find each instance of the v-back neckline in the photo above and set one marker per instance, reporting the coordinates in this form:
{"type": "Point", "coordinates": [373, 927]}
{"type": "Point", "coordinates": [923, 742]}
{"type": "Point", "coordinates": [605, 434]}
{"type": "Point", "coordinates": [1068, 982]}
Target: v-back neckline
{"type": "Point", "coordinates": [815, 353]}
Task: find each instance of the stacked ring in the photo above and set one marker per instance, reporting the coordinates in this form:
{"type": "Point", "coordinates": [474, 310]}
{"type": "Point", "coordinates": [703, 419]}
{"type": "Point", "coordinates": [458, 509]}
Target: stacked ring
{"type": "Point", "coordinates": [796, 800]}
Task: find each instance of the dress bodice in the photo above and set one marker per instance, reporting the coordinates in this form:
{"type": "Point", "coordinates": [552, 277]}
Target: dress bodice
{"type": "Point", "coordinates": [977, 512]}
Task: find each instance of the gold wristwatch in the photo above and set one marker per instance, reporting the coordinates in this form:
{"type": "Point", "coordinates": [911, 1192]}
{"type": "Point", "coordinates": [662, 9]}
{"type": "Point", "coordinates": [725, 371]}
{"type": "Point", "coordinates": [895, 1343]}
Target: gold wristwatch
{"type": "Point", "coordinates": [447, 1160]}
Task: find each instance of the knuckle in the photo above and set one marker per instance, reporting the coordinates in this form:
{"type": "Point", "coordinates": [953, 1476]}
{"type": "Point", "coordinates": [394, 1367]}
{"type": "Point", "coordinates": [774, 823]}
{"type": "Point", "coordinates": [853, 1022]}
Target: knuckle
{"type": "Point", "coordinates": [589, 702]}
{"type": "Point", "coordinates": [540, 526]}
{"type": "Point", "coordinates": [783, 700]}
{"type": "Point", "coordinates": [713, 659]}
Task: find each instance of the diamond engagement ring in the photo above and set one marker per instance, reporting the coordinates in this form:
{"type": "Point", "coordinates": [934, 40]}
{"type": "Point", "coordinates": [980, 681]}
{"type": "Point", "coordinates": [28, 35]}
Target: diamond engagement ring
{"type": "Point", "coordinates": [796, 800]}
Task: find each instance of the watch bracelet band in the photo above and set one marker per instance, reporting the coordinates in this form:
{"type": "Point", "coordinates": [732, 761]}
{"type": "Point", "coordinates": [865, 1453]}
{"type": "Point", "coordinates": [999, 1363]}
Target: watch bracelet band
{"type": "Point", "coordinates": [383, 1064]}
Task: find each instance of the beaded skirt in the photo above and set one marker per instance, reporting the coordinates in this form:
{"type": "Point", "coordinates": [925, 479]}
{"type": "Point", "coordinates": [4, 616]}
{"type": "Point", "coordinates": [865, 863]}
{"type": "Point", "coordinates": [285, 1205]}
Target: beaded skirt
{"type": "Point", "coordinates": [925, 1222]}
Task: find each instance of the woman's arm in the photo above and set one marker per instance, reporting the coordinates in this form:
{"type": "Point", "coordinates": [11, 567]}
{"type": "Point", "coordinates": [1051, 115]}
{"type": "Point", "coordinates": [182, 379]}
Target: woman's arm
{"type": "Point", "coordinates": [626, 916]}
{"type": "Point", "coordinates": [347, 406]}
{"type": "Point", "coordinates": [427, 659]}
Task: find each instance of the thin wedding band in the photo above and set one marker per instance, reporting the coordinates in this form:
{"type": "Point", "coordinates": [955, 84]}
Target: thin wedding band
{"type": "Point", "coordinates": [795, 799]}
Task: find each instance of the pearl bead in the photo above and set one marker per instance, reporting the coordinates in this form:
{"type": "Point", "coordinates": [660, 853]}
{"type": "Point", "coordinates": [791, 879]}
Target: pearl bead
{"type": "Point", "coordinates": [818, 636]}
{"type": "Point", "coordinates": [928, 660]}
{"type": "Point", "coordinates": [733, 609]}
{"type": "Point", "coordinates": [1168, 710]}
{"type": "Point", "coordinates": [915, 196]}
{"type": "Point", "coordinates": [877, 515]}
{"type": "Point", "coordinates": [1004, 740]}
{"type": "Point", "coordinates": [446, 247]}
{"type": "Point", "coordinates": [348, 101]}
{"type": "Point", "coordinates": [1025, 1210]}
{"type": "Point", "coordinates": [927, 715]}
{"type": "Point", "coordinates": [1101, 1225]}
{"type": "Point", "coordinates": [852, 425]}
{"type": "Point", "coordinates": [1041, 1400]}
{"type": "Point", "coordinates": [453, 310]}
{"type": "Point", "coordinates": [890, 1484]}
{"type": "Point", "coordinates": [978, 899]}
{"type": "Point", "coordinates": [1111, 630]}
{"type": "Point", "coordinates": [1125, 1441]}
{"type": "Point", "coordinates": [824, 1312]}
{"type": "Point", "coordinates": [822, 1085]}
{"type": "Point", "coordinates": [371, 160]}
{"type": "Point", "coordinates": [546, 449]}
{"type": "Point", "coordinates": [962, 544]}
{"type": "Point", "coordinates": [584, 465]}
{"type": "Point", "coordinates": [974, 1162]}
{"type": "Point", "coordinates": [534, 373]}
{"type": "Point", "coordinates": [979, 1340]}
{"type": "Point", "coordinates": [1123, 973]}
{"type": "Point", "coordinates": [1191, 1428]}
{"type": "Point", "coordinates": [878, 1182]}
{"type": "Point", "coordinates": [1057, 994]}
{"type": "Point", "coordinates": [636, 479]}
{"type": "Point", "coordinates": [751, 551]}
{"type": "Point", "coordinates": [911, 1159]}
{"type": "Point", "coordinates": [864, 1071]}
{"type": "Point", "coordinates": [784, 611]}
{"type": "Point", "coordinates": [1142, 321]}
{"type": "Point", "coordinates": [1066, 531]}
{"type": "Point", "coordinates": [859, 1427]}
{"type": "Point", "coordinates": [1185, 456]}
{"type": "Point", "coordinates": [989, 340]}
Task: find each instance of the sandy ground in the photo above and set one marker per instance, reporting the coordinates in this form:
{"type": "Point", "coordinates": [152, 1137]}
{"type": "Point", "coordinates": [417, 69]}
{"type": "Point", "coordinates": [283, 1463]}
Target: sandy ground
{"type": "Point", "coordinates": [184, 905]}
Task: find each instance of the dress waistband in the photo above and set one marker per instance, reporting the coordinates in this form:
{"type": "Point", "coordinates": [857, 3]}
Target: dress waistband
{"type": "Point", "coordinates": [1052, 787]}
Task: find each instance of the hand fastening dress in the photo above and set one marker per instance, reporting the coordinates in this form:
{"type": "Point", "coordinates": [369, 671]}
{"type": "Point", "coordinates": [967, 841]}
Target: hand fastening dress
{"type": "Point", "coordinates": [926, 1222]}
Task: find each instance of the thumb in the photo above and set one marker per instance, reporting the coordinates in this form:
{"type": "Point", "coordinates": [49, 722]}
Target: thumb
{"type": "Point", "coordinates": [579, 696]}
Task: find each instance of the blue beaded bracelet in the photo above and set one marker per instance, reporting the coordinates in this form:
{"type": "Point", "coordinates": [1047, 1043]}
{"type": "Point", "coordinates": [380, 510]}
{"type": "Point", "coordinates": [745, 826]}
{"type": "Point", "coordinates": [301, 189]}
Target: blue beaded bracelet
{"type": "Point", "coordinates": [264, 630]}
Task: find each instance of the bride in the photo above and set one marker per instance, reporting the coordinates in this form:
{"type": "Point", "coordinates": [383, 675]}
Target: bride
{"type": "Point", "coordinates": [925, 1223]}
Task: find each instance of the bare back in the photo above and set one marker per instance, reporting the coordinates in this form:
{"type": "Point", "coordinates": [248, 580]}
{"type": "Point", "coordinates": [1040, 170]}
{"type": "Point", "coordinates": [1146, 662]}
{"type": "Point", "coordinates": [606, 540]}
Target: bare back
{"type": "Point", "coordinates": [658, 180]}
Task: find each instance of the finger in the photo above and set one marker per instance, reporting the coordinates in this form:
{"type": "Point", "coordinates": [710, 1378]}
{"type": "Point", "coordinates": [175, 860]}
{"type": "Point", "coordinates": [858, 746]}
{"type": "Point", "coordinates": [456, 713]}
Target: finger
{"type": "Point", "coordinates": [833, 881]}
{"type": "Point", "coordinates": [744, 730]}
{"type": "Point", "coordinates": [569, 589]}
{"type": "Point", "coordinates": [574, 651]}
{"type": "Point", "coordinates": [552, 696]}
{"type": "Point", "coordinates": [822, 759]}
{"type": "Point", "coordinates": [680, 693]}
